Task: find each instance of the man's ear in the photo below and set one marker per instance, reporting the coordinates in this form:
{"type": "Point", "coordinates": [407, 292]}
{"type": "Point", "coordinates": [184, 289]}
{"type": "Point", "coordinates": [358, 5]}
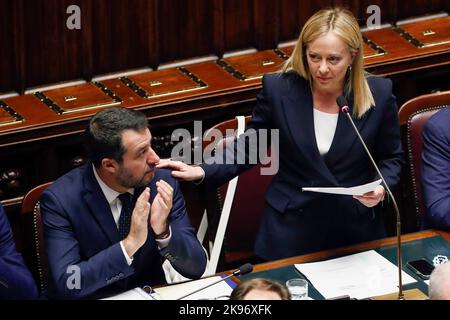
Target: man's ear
{"type": "Point", "coordinates": [110, 165]}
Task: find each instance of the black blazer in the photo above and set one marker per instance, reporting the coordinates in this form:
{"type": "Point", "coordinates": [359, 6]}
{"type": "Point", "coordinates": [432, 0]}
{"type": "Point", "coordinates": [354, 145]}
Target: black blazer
{"type": "Point", "coordinates": [285, 103]}
{"type": "Point", "coordinates": [16, 281]}
{"type": "Point", "coordinates": [436, 170]}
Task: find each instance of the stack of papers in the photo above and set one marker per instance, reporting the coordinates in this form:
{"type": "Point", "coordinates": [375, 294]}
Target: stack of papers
{"type": "Point", "coordinates": [220, 291]}
{"type": "Point", "coordinates": [217, 291]}
{"type": "Point", "coordinates": [359, 276]}
{"type": "Point", "coordinates": [133, 294]}
{"type": "Point", "coordinates": [352, 191]}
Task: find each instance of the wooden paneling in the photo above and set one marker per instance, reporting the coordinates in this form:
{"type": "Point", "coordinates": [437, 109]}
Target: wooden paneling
{"type": "Point", "coordinates": [406, 9]}
{"type": "Point", "coordinates": [185, 29]}
{"type": "Point", "coordinates": [86, 40]}
{"type": "Point", "coordinates": [289, 28]}
{"type": "Point", "coordinates": [153, 33]}
{"type": "Point", "coordinates": [266, 24]}
{"type": "Point", "coordinates": [308, 8]}
{"type": "Point", "coordinates": [7, 58]}
{"type": "Point", "coordinates": [52, 51]}
{"type": "Point", "coordinates": [238, 16]}
{"type": "Point", "coordinates": [118, 35]}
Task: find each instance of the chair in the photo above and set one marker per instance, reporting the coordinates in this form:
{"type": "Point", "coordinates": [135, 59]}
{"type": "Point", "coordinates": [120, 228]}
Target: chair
{"type": "Point", "coordinates": [414, 114]}
{"type": "Point", "coordinates": [35, 253]}
{"type": "Point", "coordinates": [240, 205]}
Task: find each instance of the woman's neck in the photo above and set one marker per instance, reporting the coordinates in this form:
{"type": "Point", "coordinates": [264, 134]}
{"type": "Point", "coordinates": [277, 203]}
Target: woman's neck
{"type": "Point", "coordinates": [326, 101]}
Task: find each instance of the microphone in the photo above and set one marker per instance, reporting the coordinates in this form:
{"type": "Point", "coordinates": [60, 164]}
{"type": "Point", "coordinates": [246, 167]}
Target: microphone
{"type": "Point", "coordinates": [242, 270]}
{"type": "Point", "coordinates": [343, 104]}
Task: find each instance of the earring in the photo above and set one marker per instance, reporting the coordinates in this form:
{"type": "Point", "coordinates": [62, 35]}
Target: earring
{"type": "Point", "coordinates": [350, 67]}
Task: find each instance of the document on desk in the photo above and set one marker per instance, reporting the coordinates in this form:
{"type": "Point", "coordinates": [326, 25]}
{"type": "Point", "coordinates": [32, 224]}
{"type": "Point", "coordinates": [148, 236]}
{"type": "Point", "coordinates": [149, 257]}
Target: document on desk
{"type": "Point", "coordinates": [221, 290]}
{"type": "Point", "coordinates": [351, 191]}
{"type": "Point", "coordinates": [133, 294]}
{"type": "Point", "coordinates": [362, 275]}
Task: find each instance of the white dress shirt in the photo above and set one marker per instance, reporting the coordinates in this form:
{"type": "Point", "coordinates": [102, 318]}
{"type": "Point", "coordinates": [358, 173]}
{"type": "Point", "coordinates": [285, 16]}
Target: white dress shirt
{"type": "Point", "coordinates": [324, 128]}
{"type": "Point", "coordinates": [116, 206]}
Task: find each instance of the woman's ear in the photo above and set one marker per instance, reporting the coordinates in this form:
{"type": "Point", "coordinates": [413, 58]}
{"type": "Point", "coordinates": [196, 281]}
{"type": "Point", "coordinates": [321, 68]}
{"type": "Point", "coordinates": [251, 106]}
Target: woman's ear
{"type": "Point", "coordinates": [353, 54]}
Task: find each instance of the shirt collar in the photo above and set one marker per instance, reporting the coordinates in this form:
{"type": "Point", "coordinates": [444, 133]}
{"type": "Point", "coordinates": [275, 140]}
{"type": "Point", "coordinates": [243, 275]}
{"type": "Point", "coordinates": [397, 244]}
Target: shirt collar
{"type": "Point", "coordinates": [110, 194]}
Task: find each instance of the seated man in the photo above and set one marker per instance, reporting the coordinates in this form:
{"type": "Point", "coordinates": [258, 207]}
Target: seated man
{"type": "Point", "coordinates": [436, 170]}
{"type": "Point", "coordinates": [16, 281]}
{"type": "Point", "coordinates": [108, 223]}
{"type": "Point", "coordinates": [439, 288]}
{"type": "Point", "coordinates": [260, 289]}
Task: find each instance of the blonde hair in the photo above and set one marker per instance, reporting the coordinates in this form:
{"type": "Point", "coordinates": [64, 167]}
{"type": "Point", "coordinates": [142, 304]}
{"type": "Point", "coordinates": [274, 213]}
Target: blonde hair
{"type": "Point", "coordinates": [343, 24]}
{"type": "Point", "coordinates": [242, 289]}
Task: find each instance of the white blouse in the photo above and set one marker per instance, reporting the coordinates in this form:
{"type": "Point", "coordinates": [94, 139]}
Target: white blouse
{"type": "Point", "coordinates": [324, 128]}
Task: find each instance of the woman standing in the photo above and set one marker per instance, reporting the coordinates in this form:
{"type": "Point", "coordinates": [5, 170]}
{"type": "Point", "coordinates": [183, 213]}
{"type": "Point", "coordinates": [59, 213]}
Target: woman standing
{"type": "Point", "coordinates": [318, 146]}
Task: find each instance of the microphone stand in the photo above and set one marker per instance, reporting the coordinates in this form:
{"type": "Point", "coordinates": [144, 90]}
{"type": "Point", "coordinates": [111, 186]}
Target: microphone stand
{"type": "Point", "coordinates": [235, 273]}
{"type": "Point", "coordinates": [202, 288]}
{"type": "Point", "coordinates": [398, 220]}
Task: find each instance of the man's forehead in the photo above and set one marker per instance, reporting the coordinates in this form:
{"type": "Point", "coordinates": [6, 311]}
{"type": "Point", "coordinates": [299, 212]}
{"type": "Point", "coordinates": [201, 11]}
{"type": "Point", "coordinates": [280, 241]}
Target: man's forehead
{"type": "Point", "coordinates": [133, 138]}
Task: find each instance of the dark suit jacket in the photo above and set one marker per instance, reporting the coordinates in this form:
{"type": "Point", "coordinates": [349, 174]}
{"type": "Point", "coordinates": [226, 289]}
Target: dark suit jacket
{"type": "Point", "coordinates": [285, 103]}
{"type": "Point", "coordinates": [16, 281]}
{"type": "Point", "coordinates": [436, 170]}
{"type": "Point", "coordinates": [80, 231]}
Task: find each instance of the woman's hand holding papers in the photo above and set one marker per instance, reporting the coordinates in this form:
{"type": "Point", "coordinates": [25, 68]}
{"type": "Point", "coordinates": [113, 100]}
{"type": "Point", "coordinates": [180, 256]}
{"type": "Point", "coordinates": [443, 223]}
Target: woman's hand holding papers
{"type": "Point", "coordinates": [371, 199]}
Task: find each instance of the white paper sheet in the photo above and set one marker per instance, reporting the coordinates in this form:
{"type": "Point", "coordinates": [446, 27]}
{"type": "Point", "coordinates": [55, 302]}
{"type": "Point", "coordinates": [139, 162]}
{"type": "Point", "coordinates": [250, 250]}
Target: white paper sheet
{"type": "Point", "coordinates": [352, 191]}
{"type": "Point", "coordinates": [133, 294]}
{"type": "Point", "coordinates": [220, 290]}
{"type": "Point", "coordinates": [360, 275]}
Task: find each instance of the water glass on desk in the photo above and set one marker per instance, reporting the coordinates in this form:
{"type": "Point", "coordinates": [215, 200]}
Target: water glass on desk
{"type": "Point", "coordinates": [298, 288]}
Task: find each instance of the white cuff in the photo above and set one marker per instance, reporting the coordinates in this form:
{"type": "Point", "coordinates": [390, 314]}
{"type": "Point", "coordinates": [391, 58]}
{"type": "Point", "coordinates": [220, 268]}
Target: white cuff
{"type": "Point", "coordinates": [129, 260]}
{"type": "Point", "coordinates": [162, 243]}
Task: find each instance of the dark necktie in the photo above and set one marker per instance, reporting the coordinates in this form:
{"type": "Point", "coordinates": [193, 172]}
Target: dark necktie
{"type": "Point", "coordinates": [125, 214]}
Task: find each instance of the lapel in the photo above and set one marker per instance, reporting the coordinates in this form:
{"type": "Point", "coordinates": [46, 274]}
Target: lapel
{"type": "Point", "coordinates": [298, 112]}
{"type": "Point", "coordinates": [344, 136]}
{"type": "Point", "coordinates": [98, 205]}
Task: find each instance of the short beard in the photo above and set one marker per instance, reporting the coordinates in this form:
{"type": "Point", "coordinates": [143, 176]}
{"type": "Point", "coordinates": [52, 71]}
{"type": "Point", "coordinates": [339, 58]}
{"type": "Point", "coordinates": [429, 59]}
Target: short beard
{"type": "Point", "coordinates": [126, 181]}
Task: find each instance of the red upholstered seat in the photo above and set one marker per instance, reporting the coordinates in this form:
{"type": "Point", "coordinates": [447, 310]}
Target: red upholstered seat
{"type": "Point", "coordinates": [35, 253]}
{"type": "Point", "coordinates": [247, 205]}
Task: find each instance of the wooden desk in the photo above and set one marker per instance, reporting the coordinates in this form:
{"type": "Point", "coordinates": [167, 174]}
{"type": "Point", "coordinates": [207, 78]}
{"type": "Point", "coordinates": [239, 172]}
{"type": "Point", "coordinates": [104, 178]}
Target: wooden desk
{"type": "Point", "coordinates": [286, 270]}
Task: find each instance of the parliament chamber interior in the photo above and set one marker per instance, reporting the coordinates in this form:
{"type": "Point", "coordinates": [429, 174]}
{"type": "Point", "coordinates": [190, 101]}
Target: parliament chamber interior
{"type": "Point", "coordinates": [180, 62]}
